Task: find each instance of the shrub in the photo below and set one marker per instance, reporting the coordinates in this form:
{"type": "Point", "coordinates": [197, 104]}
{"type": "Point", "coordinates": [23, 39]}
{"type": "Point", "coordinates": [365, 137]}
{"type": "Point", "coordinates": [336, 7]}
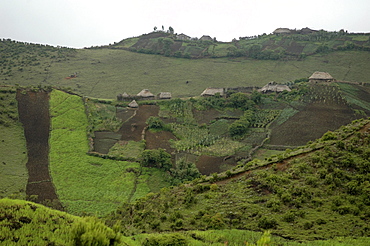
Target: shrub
{"type": "Point", "coordinates": [267, 223]}
{"type": "Point", "coordinates": [156, 158]}
{"type": "Point", "coordinates": [155, 123]}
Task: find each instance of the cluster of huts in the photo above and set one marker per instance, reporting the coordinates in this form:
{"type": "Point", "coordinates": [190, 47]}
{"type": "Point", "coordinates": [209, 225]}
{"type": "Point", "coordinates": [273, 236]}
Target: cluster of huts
{"type": "Point", "coordinates": [145, 94]}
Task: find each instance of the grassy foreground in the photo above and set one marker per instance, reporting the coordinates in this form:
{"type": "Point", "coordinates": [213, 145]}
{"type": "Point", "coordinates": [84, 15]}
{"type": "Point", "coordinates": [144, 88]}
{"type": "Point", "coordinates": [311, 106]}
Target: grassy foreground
{"type": "Point", "coordinates": [28, 223]}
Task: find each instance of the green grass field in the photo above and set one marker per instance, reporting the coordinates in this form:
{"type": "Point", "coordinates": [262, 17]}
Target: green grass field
{"type": "Point", "coordinates": [13, 150]}
{"type": "Point", "coordinates": [13, 171]}
{"type": "Point", "coordinates": [103, 73]}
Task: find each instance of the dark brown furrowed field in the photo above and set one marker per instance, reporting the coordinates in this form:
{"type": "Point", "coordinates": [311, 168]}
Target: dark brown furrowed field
{"type": "Point", "coordinates": [311, 123]}
{"type": "Point", "coordinates": [33, 108]}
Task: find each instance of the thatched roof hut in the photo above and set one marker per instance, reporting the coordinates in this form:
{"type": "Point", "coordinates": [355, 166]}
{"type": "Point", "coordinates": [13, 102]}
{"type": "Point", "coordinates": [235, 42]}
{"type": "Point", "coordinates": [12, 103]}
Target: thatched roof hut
{"type": "Point", "coordinates": [213, 91]}
{"type": "Point", "coordinates": [125, 95]}
{"type": "Point", "coordinates": [165, 95]}
{"type": "Point", "coordinates": [145, 93]}
{"type": "Point", "coordinates": [133, 104]}
{"type": "Point", "coordinates": [274, 87]}
{"type": "Point", "coordinates": [318, 77]}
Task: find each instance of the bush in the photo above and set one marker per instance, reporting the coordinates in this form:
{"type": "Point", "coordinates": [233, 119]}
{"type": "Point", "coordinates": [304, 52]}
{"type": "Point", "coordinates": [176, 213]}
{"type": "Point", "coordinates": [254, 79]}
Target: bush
{"type": "Point", "coordinates": [155, 123]}
{"type": "Point", "coordinates": [267, 223]}
{"type": "Point", "coordinates": [156, 158]}
{"type": "Point", "coordinates": [93, 232]}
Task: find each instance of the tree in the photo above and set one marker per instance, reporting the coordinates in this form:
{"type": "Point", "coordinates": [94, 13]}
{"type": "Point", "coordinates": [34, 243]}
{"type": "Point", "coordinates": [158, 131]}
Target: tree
{"type": "Point", "coordinates": [170, 29]}
{"type": "Point", "coordinates": [155, 28]}
{"type": "Point", "coordinates": [158, 158]}
{"type": "Point", "coordinates": [238, 129]}
{"type": "Point", "coordinates": [238, 100]}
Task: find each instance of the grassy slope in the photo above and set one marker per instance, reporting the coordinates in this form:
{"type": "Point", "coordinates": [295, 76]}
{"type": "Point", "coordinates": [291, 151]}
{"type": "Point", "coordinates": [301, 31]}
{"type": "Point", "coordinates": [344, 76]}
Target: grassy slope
{"type": "Point", "coordinates": [122, 71]}
{"type": "Point", "coordinates": [106, 72]}
{"type": "Point", "coordinates": [320, 195]}
{"type": "Point", "coordinates": [13, 151]}
{"type": "Point", "coordinates": [86, 183]}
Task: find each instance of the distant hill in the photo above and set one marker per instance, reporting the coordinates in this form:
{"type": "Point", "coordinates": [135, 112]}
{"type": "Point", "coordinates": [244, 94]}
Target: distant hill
{"type": "Point", "coordinates": [282, 44]}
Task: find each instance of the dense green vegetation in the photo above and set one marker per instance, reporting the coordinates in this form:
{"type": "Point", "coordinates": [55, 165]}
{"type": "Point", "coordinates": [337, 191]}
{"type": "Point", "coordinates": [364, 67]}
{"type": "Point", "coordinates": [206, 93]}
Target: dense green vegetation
{"type": "Point", "coordinates": [27, 223]}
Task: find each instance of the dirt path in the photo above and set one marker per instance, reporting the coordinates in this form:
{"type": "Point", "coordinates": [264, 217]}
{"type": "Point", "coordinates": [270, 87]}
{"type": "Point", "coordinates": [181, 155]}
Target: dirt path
{"type": "Point", "coordinates": [33, 108]}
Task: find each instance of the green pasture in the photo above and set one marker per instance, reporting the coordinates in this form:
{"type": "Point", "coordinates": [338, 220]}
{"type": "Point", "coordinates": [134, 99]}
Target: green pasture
{"type": "Point", "coordinates": [103, 73]}
{"type": "Point", "coordinates": [13, 150]}
{"type": "Point", "coordinates": [13, 159]}
{"type": "Point", "coordinates": [84, 184]}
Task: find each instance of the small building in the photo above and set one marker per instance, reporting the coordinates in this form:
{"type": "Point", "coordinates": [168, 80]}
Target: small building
{"type": "Point", "coordinates": [183, 37]}
{"type": "Point", "coordinates": [123, 96]}
{"type": "Point", "coordinates": [133, 104]}
{"type": "Point", "coordinates": [274, 87]}
{"type": "Point", "coordinates": [213, 91]}
{"type": "Point", "coordinates": [145, 94]}
{"type": "Point", "coordinates": [165, 95]}
{"type": "Point", "coordinates": [282, 31]}
{"type": "Point", "coordinates": [206, 37]}
{"type": "Point", "coordinates": [321, 77]}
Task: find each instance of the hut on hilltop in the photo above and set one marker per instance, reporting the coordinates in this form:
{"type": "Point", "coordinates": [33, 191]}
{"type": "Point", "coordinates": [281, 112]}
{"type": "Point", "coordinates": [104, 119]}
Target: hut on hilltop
{"type": "Point", "coordinates": [321, 77]}
{"type": "Point", "coordinates": [145, 94]}
{"type": "Point", "coordinates": [183, 37]}
{"type": "Point", "coordinates": [213, 92]}
{"type": "Point", "coordinates": [206, 37]}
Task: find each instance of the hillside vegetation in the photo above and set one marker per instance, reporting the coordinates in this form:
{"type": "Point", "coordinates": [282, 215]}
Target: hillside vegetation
{"type": "Point", "coordinates": [317, 195]}
{"type": "Point", "coordinates": [27, 223]}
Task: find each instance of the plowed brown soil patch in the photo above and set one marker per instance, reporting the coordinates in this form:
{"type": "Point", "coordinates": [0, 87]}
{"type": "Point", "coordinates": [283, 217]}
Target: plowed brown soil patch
{"type": "Point", "coordinates": [133, 128]}
{"type": "Point", "coordinates": [33, 108]}
{"type": "Point", "coordinates": [156, 140]}
{"type": "Point", "coordinates": [213, 164]}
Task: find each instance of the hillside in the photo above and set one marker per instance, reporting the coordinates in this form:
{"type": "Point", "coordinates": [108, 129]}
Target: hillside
{"type": "Point", "coordinates": [323, 193]}
{"type": "Point", "coordinates": [106, 71]}
{"type": "Point", "coordinates": [28, 223]}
